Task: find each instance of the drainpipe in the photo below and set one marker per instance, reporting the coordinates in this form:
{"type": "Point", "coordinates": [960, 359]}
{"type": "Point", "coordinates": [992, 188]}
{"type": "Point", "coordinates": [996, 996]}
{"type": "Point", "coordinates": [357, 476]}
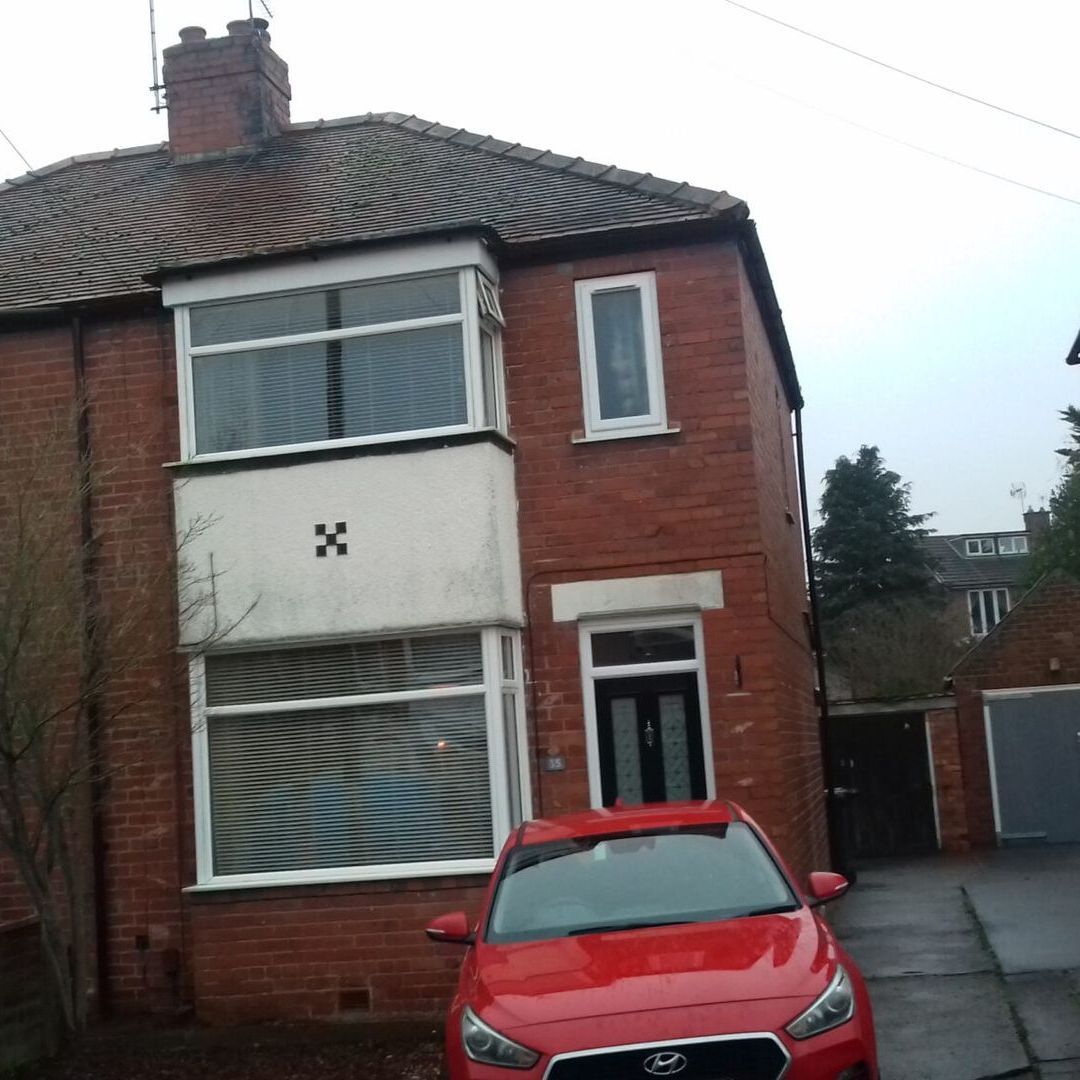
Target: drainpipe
{"type": "Point", "coordinates": [837, 850]}
{"type": "Point", "coordinates": [91, 602]}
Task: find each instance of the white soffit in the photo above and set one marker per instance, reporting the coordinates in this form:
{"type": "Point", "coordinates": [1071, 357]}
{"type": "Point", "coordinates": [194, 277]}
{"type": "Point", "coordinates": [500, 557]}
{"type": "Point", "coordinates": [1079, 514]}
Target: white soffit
{"type": "Point", "coordinates": [574, 600]}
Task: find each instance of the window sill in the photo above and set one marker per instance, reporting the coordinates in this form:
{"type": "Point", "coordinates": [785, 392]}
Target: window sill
{"type": "Point", "coordinates": [380, 877]}
{"type": "Point", "coordinates": [276, 459]}
{"type": "Point", "coordinates": [625, 433]}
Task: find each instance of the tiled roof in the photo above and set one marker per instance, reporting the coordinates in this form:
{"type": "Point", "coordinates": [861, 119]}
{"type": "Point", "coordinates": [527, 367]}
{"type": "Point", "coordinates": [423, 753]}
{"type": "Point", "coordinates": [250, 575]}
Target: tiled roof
{"type": "Point", "coordinates": [959, 571]}
{"type": "Point", "coordinates": [94, 227]}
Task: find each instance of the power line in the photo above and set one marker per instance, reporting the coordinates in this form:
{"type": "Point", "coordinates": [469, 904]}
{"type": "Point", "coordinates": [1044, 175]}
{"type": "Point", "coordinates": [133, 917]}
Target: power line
{"type": "Point", "coordinates": [915, 146]}
{"type": "Point", "coordinates": [901, 71]}
{"type": "Point", "coordinates": [29, 167]}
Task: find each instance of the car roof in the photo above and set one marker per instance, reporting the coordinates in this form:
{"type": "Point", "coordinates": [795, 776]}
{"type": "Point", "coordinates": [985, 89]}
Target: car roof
{"type": "Point", "coordinates": [617, 819]}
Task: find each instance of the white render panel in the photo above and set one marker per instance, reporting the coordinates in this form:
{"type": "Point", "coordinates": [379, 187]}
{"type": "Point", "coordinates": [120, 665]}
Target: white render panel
{"type": "Point", "coordinates": [432, 542]}
{"type": "Point", "coordinates": [574, 600]}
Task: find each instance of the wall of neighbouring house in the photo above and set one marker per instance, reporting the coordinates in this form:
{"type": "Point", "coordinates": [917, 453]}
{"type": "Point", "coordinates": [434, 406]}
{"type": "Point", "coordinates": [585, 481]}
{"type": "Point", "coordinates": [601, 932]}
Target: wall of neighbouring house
{"type": "Point", "coordinates": [668, 504]}
{"type": "Point", "coordinates": [1045, 627]}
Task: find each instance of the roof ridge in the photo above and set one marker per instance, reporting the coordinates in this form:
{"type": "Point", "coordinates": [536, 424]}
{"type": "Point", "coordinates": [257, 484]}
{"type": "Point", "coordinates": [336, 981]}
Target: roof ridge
{"type": "Point", "coordinates": [77, 159]}
{"type": "Point", "coordinates": [643, 183]}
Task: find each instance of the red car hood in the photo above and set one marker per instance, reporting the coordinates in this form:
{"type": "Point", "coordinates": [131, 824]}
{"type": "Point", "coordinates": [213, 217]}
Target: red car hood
{"type": "Point", "coordinates": [539, 982]}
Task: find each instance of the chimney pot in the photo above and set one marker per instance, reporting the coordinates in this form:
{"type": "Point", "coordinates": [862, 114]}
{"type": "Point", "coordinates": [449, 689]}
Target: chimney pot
{"type": "Point", "coordinates": [190, 34]}
{"type": "Point", "coordinates": [244, 27]}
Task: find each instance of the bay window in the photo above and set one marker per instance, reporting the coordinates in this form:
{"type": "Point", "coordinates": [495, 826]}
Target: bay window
{"type": "Point", "coordinates": [371, 759]}
{"type": "Point", "coordinates": [368, 361]}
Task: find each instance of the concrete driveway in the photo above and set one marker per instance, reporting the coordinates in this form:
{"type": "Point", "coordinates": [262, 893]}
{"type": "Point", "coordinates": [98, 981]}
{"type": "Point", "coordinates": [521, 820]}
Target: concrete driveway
{"type": "Point", "coordinates": [973, 962]}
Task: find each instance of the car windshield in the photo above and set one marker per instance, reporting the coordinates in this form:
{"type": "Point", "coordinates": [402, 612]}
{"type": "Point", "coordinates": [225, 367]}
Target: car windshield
{"type": "Point", "coordinates": [602, 884]}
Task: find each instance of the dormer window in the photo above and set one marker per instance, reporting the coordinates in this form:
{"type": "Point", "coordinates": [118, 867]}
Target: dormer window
{"type": "Point", "coordinates": [980, 545]}
{"type": "Point", "coordinates": [362, 361]}
{"type": "Point", "coordinates": [1012, 545]}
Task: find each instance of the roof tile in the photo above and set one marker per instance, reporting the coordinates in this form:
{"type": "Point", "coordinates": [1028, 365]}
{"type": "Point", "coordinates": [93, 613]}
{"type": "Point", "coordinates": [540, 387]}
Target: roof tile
{"type": "Point", "coordinates": [96, 226]}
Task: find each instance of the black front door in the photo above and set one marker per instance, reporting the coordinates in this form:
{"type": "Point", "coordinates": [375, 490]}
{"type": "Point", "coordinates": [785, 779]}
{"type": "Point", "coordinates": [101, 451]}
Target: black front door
{"type": "Point", "coordinates": [649, 734]}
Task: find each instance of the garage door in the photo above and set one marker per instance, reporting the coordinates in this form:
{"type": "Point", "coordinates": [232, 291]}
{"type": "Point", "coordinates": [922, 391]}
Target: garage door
{"type": "Point", "coordinates": [1035, 747]}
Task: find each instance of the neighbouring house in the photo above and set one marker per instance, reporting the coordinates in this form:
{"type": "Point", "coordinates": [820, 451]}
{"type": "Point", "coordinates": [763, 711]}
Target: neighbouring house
{"type": "Point", "coordinates": [961, 768]}
{"type": "Point", "coordinates": [497, 453]}
{"type": "Point", "coordinates": [985, 574]}
{"type": "Point", "coordinates": [1018, 698]}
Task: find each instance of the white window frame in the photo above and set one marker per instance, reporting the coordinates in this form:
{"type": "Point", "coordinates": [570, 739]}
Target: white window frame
{"type": "Point", "coordinates": [982, 594]}
{"type": "Point", "coordinates": [493, 688]}
{"type": "Point", "coordinates": [479, 308]}
{"type": "Point", "coordinates": [1018, 545]}
{"type": "Point", "coordinates": [974, 546]}
{"type": "Point", "coordinates": [622, 427]}
{"type": "Point", "coordinates": [591, 674]}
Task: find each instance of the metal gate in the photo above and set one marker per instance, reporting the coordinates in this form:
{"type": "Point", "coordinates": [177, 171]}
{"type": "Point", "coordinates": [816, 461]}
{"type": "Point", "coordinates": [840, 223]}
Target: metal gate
{"type": "Point", "coordinates": [882, 764]}
{"type": "Point", "coordinates": [1033, 739]}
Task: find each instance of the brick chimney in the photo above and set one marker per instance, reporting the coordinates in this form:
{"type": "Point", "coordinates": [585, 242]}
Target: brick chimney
{"type": "Point", "coordinates": [224, 93]}
{"type": "Point", "coordinates": [1037, 523]}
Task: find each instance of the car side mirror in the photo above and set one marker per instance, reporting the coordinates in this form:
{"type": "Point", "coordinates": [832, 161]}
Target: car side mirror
{"type": "Point", "coordinates": [453, 928]}
{"type": "Point", "coordinates": [823, 886]}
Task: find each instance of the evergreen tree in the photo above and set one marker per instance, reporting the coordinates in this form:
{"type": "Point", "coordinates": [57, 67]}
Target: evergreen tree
{"type": "Point", "coordinates": [867, 546]}
{"type": "Point", "coordinates": [1059, 547]}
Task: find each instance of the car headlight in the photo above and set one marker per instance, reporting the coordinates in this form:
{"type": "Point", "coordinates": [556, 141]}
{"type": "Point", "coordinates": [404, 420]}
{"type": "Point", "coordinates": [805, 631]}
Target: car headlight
{"type": "Point", "coordinates": [835, 1007]}
{"type": "Point", "coordinates": [486, 1045]}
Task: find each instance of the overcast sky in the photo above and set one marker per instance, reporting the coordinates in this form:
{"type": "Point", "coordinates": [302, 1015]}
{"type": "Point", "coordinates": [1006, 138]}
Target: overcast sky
{"type": "Point", "coordinates": [929, 308]}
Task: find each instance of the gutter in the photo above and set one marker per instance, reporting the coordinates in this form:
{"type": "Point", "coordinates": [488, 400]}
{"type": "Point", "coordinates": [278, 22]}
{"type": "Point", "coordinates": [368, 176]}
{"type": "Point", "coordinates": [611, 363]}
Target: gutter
{"type": "Point", "coordinates": [95, 661]}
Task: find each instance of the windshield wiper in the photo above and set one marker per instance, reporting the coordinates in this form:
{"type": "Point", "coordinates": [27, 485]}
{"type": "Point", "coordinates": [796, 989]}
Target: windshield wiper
{"type": "Point", "coordinates": [604, 928]}
{"type": "Point", "coordinates": [779, 909]}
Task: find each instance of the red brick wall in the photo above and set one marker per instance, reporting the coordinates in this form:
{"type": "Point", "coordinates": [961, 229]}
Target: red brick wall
{"type": "Point", "coordinates": [678, 503]}
{"type": "Point", "coordinates": [1043, 627]}
{"type": "Point", "coordinates": [326, 952]}
{"type": "Point", "coordinates": [223, 93]}
{"type": "Point", "coordinates": [36, 395]}
{"type": "Point", "coordinates": [949, 779]}
{"type": "Point", "coordinates": [802, 828]}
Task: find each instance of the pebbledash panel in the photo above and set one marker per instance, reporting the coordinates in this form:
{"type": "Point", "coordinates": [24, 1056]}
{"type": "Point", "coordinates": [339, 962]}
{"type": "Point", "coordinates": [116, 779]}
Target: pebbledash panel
{"type": "Point", "coordinates": [737, 1057]}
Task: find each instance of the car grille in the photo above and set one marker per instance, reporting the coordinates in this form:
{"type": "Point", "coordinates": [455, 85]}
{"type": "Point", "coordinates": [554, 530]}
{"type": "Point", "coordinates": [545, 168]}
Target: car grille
{"type": "Point", "coordinates": [742, 1058]}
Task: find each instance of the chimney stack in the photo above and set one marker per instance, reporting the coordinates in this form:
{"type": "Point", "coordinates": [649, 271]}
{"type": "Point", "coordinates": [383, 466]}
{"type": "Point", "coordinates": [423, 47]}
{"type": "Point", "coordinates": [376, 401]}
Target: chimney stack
{"type": "Point", "coordinates": [227, 93]}
{"type": "Point", "coordinates": [1037, 524]}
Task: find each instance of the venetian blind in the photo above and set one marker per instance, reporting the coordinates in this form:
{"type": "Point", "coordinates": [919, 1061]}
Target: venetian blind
{"type": "Point", "coordinates": [364, 784]}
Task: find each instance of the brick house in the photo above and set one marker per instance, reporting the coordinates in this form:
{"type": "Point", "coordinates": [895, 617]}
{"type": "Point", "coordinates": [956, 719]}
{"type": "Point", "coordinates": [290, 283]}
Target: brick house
{"type": "Point", "coordinates": [497, 449]}
{"type": "Point", "coordinates": [985, 574]}
{"type": "Point", "coordinates": [1018, 700]}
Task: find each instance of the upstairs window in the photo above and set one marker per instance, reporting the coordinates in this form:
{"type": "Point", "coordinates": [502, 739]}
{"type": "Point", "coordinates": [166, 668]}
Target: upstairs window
{"type": "Point", "coordinates": [980, 545]}
{"type": "Point", "coordinates": [621, 370]}
{"type": "Point", "coordinates": [1012, 545]}
{"type": "Point", "coordinates": [987, 608]}
{"type": "Point", "coordinates": [366, 362]}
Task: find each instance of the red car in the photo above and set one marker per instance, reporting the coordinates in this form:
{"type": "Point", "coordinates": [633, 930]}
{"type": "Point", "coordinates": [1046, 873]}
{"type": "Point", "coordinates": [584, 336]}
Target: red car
{"type": "Point", "coordinates": [653, 942]}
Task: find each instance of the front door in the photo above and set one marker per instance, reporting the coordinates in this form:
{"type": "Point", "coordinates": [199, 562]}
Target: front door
{"type": "Point", "coordinates": [649, 736]}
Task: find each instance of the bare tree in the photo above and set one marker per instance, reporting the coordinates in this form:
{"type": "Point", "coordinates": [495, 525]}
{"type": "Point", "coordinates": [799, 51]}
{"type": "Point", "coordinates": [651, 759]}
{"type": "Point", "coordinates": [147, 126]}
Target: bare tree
{"type": "Point", "coordinates": [86, 599]}
{"type": "Point", "coordinates": [896, 649]}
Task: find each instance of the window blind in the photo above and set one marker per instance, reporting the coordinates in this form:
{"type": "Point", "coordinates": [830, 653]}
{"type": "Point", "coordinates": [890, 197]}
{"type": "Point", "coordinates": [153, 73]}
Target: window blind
{"type": "Point", "coordinates": [329, 309]}
{"type": "Point", "coordinates": [406, 381]}
{"type": "Point", "coordinates": [366, 783]}
{"type": "Point", "coordinates": [350, 787]}
{"type": "Point", "coordinates": [362, 667]}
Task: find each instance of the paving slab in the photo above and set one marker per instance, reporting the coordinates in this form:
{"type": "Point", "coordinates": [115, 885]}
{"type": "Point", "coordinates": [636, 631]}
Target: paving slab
{"type": "Point", "coordinates": [1048, 1004]}
{"type": "Point", "coordinates": [954, 1027]}
{"type": "Point", "coordinates": [1060, 1070]}
{"type": "Point", "coordinates": [1026, 901]}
